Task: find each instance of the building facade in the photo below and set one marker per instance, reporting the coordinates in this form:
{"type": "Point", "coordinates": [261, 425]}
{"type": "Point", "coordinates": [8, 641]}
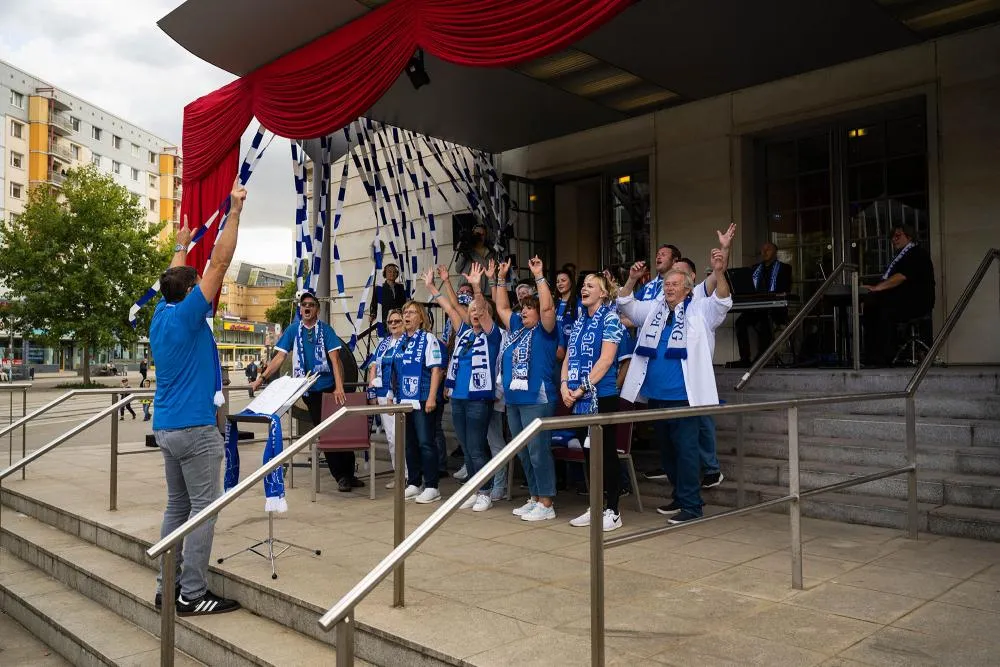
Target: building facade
{"type": "Point", "coordinates": [248, 292]}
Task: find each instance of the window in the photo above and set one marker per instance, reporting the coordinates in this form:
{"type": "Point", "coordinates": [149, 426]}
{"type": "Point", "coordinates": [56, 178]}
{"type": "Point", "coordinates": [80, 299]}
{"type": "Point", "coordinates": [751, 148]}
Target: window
{"type": "Point", "coordinates": [152, 204]}
{"type": "Point", "coordinates": [16, 160]}
{"type": "Point", "coordinates": [14, 216]}
{"type": "Point", "coordinates": [135, 174]}
{"type": "Point", "coordinates": [16, 99]}
{"type": "Point", "coordinates": [116, 166]}
{"type": "Point", "coordinates": [116, 141]}
{"type": "Point", "coordinates": [95, 160]}
{"type": "Point", "coordinates": [152, 181]}
{"type": "Point", "coordinates": [15, 190]}
{"type": "Point", "coordinates": [16, 129]}
{"type": "Point", "coordinates": [74, 151]}
{"type": "Point", "coordinates": [225, 290]}
{"type": "Point", "coordinates": [152, 157]}
{"type": "Point", "coordinates": [96, 133]}
{"type": "Point", "coordinates": [253, 300]}
{"type": "Point", "coordinates": [74, 123]}
{"type": "Point", "coordinates": [135, 150]}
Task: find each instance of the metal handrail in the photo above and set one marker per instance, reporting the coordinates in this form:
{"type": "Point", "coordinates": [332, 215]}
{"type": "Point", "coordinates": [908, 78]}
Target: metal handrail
{"type": "Point", "coordinates": [952, 319]}
{"type": "Point", "coordinates": [168, 544]}
{"type": "Point", "coordinates": [65, 397]}
{"type": "Point", "coordinates": [817, 296]}
{"type": "Point", "coordinates": [343, 608]}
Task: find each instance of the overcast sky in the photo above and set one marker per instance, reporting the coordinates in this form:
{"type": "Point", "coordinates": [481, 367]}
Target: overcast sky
{"type": "Point", "coordinates": [112, 54]}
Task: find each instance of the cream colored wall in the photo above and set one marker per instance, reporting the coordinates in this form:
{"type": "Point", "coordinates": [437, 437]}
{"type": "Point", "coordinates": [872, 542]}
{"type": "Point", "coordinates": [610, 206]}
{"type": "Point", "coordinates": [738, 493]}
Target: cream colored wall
{"type": "Point", "coordinates": [701, 168]}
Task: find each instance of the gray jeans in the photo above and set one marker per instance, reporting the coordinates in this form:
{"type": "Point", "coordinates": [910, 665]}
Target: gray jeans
{"type": "Point", "coordinates": [192, 463]}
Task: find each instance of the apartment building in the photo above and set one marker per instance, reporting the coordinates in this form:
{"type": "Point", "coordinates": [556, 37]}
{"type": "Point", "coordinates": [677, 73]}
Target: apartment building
{"type": "Point", "coordinates": [47, 131]}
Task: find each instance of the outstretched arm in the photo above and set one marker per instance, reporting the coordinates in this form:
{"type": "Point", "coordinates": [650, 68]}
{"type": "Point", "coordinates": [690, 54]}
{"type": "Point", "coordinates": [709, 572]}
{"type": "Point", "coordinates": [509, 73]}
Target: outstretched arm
{"type": "Point", "coordinates": [225, 245]}
{"type": "Point", "coordinates": [634, 273]}
{"type": "Point", "coordinates": [725, 244]}
{"type": "Point", "coordinates": [501, 295]}
{"type": "Point", "coordinates": [546, 305]}
{"type": "Point", "coordinates": [475, 278]}
{"type": "Point", "coordinates": [447, 305]}
{"type": "Point", "coordinates": [183, 239]}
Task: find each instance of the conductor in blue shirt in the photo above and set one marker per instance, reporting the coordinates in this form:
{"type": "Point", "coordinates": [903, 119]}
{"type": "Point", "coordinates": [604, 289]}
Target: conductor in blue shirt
{"type": "Point", "coordinates": [315, 348]}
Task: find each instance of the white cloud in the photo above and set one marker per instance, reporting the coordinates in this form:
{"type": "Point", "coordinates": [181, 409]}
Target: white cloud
{"type": "Point", "coordinates": [112, 54]}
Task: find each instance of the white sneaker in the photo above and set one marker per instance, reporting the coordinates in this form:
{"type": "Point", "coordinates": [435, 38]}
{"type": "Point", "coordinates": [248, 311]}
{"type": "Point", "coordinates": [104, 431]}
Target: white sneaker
{"type": "Point", "coordinates": [582, 520]}
{"type": "Point", "coordinates": [525, 508]}
{"type": "Point", "coordinates": [611, 521]}
{"type": "Point", "coordinates": [391, 484]}
{"type": "Point", "coordinates": [461, 474]}
{"type": "Point", "coordinates": [539, 513]}
{"type": "Point", "coordinates": [483, 503]}
{"type": "Point", "coordinates": [411, 492]}
{"type": "Point", "coordinates": [429, 495]}
{"type": "Point", "coordinates": [469, 502]}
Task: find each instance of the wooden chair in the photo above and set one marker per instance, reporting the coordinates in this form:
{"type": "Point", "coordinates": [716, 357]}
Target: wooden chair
{"type": "Point", "coordinates": [348, 434]}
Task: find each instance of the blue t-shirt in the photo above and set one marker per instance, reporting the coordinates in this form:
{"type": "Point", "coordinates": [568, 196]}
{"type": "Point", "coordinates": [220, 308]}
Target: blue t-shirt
{"type": "Point", "coordinates": [650, 290]}
{"type": "Point", "coordinates": [463, 350]}
{"type": "Point", "coordinates": [432, 359]}
{"type": "Point", "coordinates": [541, 388]}
{"type": "Point", "coordinates": [186, 363]}
{"type": "Point", "coordinates": [612, 332]}
{"type": "Point", "coordinates": [565, 320]}
{"type": "Point", "coordinates": [664, 377]}
{"type": "Point", "coordinates": [310, 337]}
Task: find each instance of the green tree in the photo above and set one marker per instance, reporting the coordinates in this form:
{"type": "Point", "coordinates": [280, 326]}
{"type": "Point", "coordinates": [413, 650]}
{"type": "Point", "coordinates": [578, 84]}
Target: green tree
{"type": "Point", "coordinates": [76, 259]}
{"type": "Point", "coordinates": [281, 311]}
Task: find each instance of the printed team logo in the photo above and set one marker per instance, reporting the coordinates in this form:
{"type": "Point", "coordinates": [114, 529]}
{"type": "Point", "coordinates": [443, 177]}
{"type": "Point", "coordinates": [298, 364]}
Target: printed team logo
{"type": "Point", "coordinates": [479, 381]}
{"type": "Point", "coordinates": [410, 386]}
{"type": "Point", "coordinates": [436, 353]}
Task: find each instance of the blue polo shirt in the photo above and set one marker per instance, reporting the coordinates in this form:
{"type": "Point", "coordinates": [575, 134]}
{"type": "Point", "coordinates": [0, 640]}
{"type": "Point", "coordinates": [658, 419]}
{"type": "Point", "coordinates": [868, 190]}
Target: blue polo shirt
{"type": "Point", "coordinates": [664, 377]}
{"type": "Point", "coordinates": [541, 388]}
{"type": "Point", "coordinates": [186, 363]}
{"type": "Point", "coordinates": [650, 290]}
{"type": "Point", "coordinates": [310, 338]}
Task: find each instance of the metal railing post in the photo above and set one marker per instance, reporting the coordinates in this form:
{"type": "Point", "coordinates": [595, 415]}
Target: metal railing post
{"type": "Point", "coordinates": [10, 438]}
{"type": "Point", "coordinates": [168, 609]}
{"type": "Point", "coordinates": [795, 510]}
{"type": "Point", "coordinates": [855, 320]}
{"type": "Point", "coordinates": [314, 471]}
{"type": "Point", "coordinates": [740, 456]}
{"type": "Point", "coordinates": [399, 507]}
{"type": "Point", "coordinates": [345, 641]}
{"type": "Point", "coordinates": [597, 545]}
{"type": "Point", "coordinates": [911, 460]}
{"type": "Point", "coordinates": [24, 426]}
{"type": "Point", "coordinates": [113, 491]}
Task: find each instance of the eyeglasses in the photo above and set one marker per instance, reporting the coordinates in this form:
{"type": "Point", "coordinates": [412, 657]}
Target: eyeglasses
{"type": "Point", "coordinates": [395, 322]}
{"type": "Point", "coordinates": [310, 305]}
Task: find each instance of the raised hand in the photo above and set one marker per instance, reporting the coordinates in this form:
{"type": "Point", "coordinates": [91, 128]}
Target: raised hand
{"type": "Point", "coordinates": [637, 270]}
{"type": "Point", "coordinates": [491, 269]}
{"type": "Point", "coordinates": [536, 266]}
{"type": "Point", "coordinates": [504, 269]}
{"type": "Point", "coordinates": [237, 196]}
{"type": "Point", "coordinates": [429, 278]}
{"type": "Point", "coordinates": [184, 233]}
{"type": "Point", "coordinates": [474, 275]}
{"type": "Point", "coordinates": [442, 272]}
{"type": "Point", "coordinates": [718, 260]}
{"type": "Point", "coordinates": [726, 238]}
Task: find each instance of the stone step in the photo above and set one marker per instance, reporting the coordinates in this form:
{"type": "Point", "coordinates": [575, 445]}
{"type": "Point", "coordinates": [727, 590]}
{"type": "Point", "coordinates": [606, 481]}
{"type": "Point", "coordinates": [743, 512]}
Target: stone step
{"type": "Point", "coordinates": [74, 626]}
{"type": "Point", "coordinates": [374, 644]}
{"type": "Point", "coordinates": [974, 522]}
{"type": "Point", "coordinates": [237, 638]}
{"type": "Point", "coordinates": [959, 381]}
{"type": "Point", "coordinates": [928, 405]}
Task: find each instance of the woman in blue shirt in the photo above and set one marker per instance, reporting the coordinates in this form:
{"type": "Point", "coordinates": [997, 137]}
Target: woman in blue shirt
{"type": "Point", "coordinates": [379, 375]}
{"type": "Point", "coordinates": [568, 307]}
{"type": "Point", "coordinates": [588, 381]}
{"type": "Point", "coordinates": [416, 377]}
{"type": "Point", "coordinates": [471, 374]}
{"type": "Point", "coordinates": [527, 360]}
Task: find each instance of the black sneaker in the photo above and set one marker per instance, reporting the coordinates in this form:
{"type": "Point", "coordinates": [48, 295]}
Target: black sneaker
{"type": "Point", "coordinates": [712, 479]}
{"type": "Point", "coordinates": [682, 517]}
{"type": "Point", "coordinates": [669, 510]}
{"type": "Point", "coordinates": [209, 603]}
{"type": "Point", "coordinates": [357, 483]}
{"type": "Point", "coordinates": [655, 474]}
{"type": "Point", "coordinates": [158, 600]}
{"type": "Point", "coordinates": [344, 485]}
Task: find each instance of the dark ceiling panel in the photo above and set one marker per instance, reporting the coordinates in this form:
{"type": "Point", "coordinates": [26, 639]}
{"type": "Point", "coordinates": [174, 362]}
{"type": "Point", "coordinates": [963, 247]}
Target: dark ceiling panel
{"type": "Point", "coordinates": [701, 48]}
{"type": "Point", "coordinates": [491, 109]}
{"type": "Point", "coordinates": [233, 40]}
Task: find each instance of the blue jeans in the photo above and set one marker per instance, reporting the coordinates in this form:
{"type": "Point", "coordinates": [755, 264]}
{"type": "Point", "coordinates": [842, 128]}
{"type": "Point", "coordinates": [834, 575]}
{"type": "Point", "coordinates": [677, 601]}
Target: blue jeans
{"type": "Point", "coordinates": [472, 421]}
{"type": "Point", "coordinates": [421, 452]}
{"type": "Point", "coordinates": [680, 454]}
{"type": "Point", "coordinates": [496, 441]}
{"type": "Point", "coordinates": [536, 457]}
{"type": "Point", "coordinates": [439, 440]}
{"type": "Point", "coordinates": [706, 445]}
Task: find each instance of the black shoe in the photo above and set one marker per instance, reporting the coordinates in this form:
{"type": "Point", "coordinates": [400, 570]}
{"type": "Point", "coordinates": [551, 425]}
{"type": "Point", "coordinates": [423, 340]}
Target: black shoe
{"type": "Point", "coordinates": [712, 480]}
{"type": "Point", "coordinates": [653, 475]}
{"type": "Point", "coordinates": [357, 483]}
{"type": "Point", "coordinates": [458, 454]}
{"type": "Point", "coordinates": [442, 474]}
{"type": "Point", "coordinates": [344, 485]}
{"type": "Point", "coordinates": [158, 600]}
{"type": "Point", "coordinates": [669, 510]}
{"type": "Point", "coordinates": [683, 517]}
{"type": "Point", "coordinates": [209, 603]}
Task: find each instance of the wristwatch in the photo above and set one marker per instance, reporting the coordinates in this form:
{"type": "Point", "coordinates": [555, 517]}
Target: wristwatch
{"type": "Point", "coordinates": [179, 247]}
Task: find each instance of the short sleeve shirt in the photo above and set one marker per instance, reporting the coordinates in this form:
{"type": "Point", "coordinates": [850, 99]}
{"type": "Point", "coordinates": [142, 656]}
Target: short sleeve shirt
{"type": "Point", "coordinates": [310, 338]}
{"type": "Point", "coordinates": [612, 332]}
{"type": "Point", "coordinates": [541, 387]}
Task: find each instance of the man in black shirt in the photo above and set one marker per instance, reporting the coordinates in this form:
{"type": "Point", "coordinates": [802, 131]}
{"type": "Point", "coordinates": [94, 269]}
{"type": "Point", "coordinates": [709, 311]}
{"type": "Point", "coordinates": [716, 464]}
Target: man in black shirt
{"type": "Point", "coordinates": [769, 276]}
{"type": "Point", "coordinates": [905, 292]}
{"type": "Point", "coordinates": [393, 293]}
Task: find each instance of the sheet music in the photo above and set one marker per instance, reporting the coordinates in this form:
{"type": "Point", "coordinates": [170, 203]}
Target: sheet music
{"type": "Point", "coordinates": [278, 396]}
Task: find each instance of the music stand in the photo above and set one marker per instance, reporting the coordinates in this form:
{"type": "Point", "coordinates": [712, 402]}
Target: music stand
{"type": "Point", "coordinates": [277, 397]}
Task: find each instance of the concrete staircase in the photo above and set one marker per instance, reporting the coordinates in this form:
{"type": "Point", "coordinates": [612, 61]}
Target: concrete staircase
{"type": "Point", "coordinates": [958, 447]}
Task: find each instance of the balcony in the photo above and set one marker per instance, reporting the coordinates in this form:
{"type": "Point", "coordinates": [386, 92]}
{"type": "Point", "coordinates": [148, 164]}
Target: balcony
{"type": "Point", "coordinates": [57, 179]}
{"type": "Point", "coordinates": [61, 153]}
{"type": "Point", "coordinates": [178, 169]}
{"type": "Point", "coordinates": [61, 123]}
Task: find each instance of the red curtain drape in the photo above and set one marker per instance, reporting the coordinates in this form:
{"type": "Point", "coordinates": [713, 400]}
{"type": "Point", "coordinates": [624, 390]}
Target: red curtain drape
{"type": "Point", "coordinates": [324, 85]}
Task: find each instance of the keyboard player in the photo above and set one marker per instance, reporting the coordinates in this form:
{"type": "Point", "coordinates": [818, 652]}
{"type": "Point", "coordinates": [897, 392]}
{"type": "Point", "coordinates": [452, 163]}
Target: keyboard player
{"type": "Point", "coordinates": [770, 277]}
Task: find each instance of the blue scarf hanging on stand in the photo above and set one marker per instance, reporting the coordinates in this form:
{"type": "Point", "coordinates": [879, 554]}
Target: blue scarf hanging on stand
{"type": "Point", "coordinates": [274, 482]}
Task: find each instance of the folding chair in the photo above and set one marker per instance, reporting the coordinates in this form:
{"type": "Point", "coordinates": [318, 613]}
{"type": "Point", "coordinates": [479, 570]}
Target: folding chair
{"type": "Point", "coordinates": [348, 434]}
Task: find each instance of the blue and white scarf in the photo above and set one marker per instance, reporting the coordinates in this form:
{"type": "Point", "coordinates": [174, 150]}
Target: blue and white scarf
{"type": "Point", "coordinates": [907, 248]}
{"type": "Point", "coordinates": [320, 364]}
{"type": "Point", "coordinates": [649, 337]}
{"type": "Point", "coordinates": [520, 358]}
{"type": "Point", "coordinates": [448, 330]}
{"type": "Point", "coordinates": [481, 376]}
{"type": "Point", "coordinates": [758, 272]}
{"type": "Point", "coordinates": [414, 348]}
{"type": "Point", "coordinates": [384, 346]}
{"type": "Point", "coordinates": [652, 289]}
{"type": "Point", "coordinates": [274, 482]}
{"type": "Point", "coordinates": [583, 351]}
